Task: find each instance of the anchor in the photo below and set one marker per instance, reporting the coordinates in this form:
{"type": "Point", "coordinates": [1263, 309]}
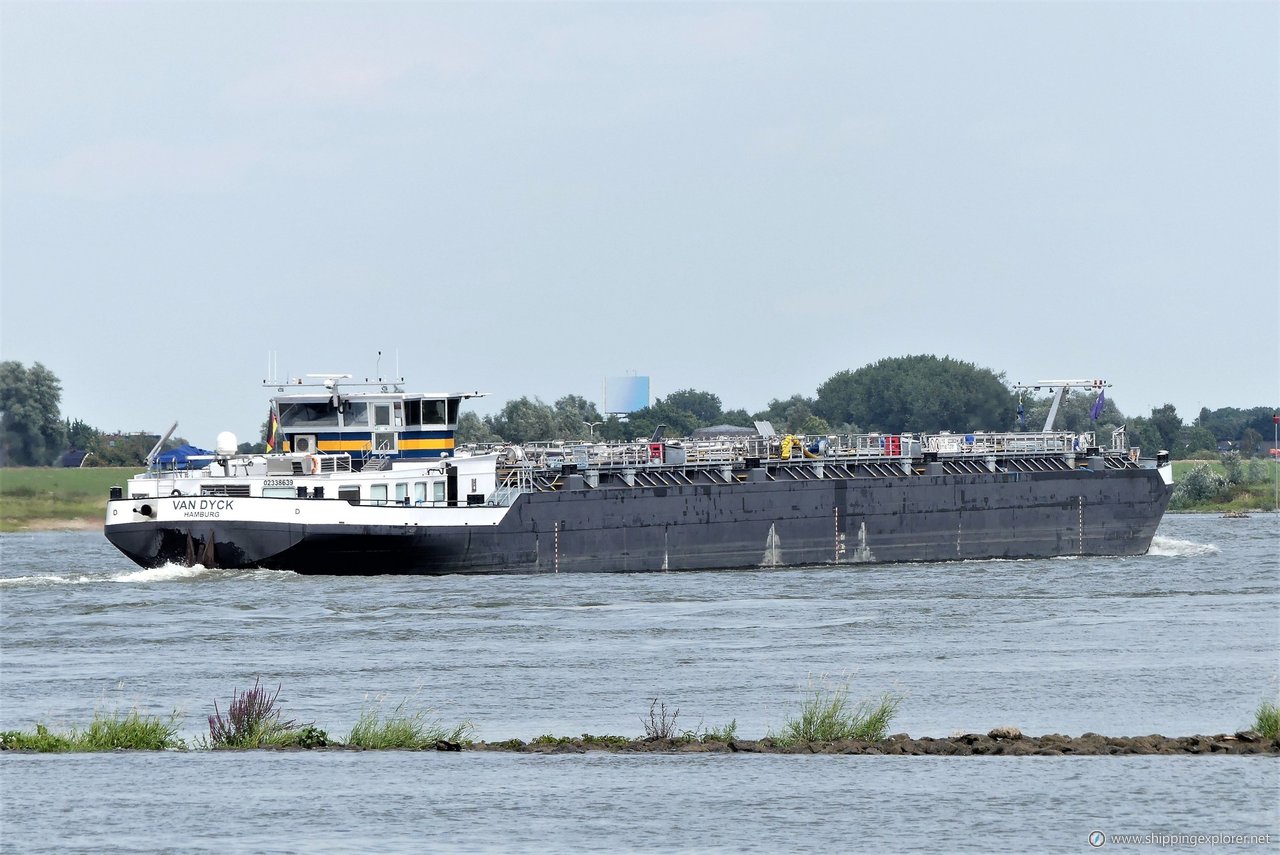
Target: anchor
{"type": "Point", "coordinates": [206, 558]}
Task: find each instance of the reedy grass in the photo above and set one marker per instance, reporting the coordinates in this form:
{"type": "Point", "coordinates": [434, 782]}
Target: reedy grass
{"type": "Point", "coordinates": [1266, 720]}
{"type": "Point", "coordinates": [404, 729]}
{"type": "Point", "coordinates": [826, 715]}
{"type": "Point", "coordinates": [107, 732]}
{"type": "Point", "coordinates": [132, 731]}
{"type": "Point", "coordinates": [42, 740]}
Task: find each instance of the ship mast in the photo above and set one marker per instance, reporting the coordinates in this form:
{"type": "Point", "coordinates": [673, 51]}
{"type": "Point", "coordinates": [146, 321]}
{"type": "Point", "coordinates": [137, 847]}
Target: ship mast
{"type": "Point", "coordinates": [1058, 388]}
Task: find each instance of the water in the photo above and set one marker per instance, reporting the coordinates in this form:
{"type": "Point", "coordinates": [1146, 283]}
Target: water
{"type": "Point", "coordinates": [1183, 640]}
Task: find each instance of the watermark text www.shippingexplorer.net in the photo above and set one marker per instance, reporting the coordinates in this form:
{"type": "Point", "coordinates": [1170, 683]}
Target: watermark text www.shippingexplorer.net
{"type": "Point", "coordinates": [1098, 839]}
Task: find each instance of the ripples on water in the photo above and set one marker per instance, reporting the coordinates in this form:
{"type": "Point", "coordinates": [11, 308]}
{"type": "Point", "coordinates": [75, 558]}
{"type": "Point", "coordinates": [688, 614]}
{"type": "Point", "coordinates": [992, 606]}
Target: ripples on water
{"type": "Point", "coordinates": [1183, 640]}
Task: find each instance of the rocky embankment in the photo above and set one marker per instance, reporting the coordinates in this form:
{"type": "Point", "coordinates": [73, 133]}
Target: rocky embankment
{"type": "Point", "coordinates": [1002, 741]}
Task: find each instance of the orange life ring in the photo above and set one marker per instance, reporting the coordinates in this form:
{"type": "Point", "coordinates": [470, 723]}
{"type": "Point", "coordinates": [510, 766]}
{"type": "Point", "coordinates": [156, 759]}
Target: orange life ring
{"type": "Point", "coordinates": [315, 464]}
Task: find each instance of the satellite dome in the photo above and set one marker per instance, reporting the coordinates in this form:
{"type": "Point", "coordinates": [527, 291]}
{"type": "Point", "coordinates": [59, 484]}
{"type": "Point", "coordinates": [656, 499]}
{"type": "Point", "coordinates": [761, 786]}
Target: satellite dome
{"type": "Point", "coordinates": [227, 444]}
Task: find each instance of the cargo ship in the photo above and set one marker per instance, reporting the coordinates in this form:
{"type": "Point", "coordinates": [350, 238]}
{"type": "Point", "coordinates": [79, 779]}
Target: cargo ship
{"type": "Point", "coordinates": [368, 478]}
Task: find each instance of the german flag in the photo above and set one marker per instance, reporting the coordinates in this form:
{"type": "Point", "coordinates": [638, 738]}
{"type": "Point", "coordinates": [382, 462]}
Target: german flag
{"type": "Point", "coordinates": [272, 424]}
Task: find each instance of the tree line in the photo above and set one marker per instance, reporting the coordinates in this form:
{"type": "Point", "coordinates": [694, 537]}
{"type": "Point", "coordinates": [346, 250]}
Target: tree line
{"type": "Point", "coordinates": [907, 394]}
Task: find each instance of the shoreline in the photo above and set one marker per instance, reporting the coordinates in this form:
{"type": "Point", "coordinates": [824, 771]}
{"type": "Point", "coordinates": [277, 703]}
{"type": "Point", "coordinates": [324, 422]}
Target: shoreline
{"type": "Point", "coordinates": [998, 742]}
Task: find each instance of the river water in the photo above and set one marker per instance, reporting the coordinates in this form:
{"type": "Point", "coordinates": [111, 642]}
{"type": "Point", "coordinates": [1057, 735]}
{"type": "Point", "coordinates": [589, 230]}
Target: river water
{"type": "Point", "coordinates": [1180, 641]}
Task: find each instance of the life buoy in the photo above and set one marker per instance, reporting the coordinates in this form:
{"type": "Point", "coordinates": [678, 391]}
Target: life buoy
{"type": "Point", "coordinates": [315, 464]}
{"type": "Point", "coordinates": [175, 493]}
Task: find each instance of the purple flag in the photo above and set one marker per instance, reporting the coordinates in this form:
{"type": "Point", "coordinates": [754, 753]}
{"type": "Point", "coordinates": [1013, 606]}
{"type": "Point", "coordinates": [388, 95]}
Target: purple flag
{"type": "Point", "coordinates": [1097, 406]}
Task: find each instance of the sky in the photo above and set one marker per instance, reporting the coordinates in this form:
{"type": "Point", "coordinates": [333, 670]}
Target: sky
{"type": "Point", "coordinates": [743, 198]}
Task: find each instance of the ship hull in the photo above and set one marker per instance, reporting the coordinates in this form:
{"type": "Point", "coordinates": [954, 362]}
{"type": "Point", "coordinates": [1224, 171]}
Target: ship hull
{"type": "Point", "coordinates": [691, 527]}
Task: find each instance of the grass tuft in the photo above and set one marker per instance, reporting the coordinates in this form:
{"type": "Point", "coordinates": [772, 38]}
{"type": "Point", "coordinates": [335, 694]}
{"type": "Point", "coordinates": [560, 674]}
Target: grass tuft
{"type": "Point", "coordinates": [42, 740]}
{"type": "Point", "coordinates": [827, 715]}
{"type": "Point", "coordinates": [107, 732]}
{"type": "Point", "coordinates": [727, 733]}
{"type": "Point", "coordinates": [404, 729]}
{"type": "Point", "coordinates": [133, 731]}
{"type": "Point", "coordinates": [1267, 720]}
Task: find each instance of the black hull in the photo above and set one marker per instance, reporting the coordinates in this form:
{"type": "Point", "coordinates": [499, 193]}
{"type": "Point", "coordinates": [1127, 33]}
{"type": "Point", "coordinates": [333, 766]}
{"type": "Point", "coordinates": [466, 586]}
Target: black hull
{"type": "Point", "coordinates": [705, 527]}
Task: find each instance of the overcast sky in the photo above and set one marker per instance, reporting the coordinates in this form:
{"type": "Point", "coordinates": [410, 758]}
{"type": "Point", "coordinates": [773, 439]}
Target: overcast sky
{"type": "Point", "coordinates": [741, 198]}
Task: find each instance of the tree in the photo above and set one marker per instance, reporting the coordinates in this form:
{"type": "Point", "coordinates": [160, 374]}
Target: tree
{"type": "Point", "coordinates": [1192, 440]}
{"type": "Point", "coordinates": [1233, 467]}
{"type": "Point", "coordinates": [923, 394]}
{"type": "Point", "coordinates": [473, 429]}
{"type": "Point", "coordinates": [1168, 425]}
{"type": "Point", "coordinates": [1250, 442]}
{"type": "Point", "coordinates": [795, 415]}
{"type": "Point", "coordinates": [1142, 434]}
{"type": "Point", "coordinates": [32, 432]}
{"type": "Point", "coordinates": [643, 423]}
{"type": "Point", "coordinates": [703, 406]}
{"type": "Point", "coordinates": [524, 420]}
{"type": "Point", "coordinates": [572, 415]}
{"type": "Point", "coordinates": [80, 436]}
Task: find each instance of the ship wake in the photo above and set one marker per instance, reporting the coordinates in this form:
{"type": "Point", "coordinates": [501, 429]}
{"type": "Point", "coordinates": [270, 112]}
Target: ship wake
{"type": "Point", "coordinates": [1172, 547]}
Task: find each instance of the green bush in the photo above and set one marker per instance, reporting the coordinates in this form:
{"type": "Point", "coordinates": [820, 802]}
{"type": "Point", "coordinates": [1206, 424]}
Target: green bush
{"type": "Point", "coordinates": [1201, 484]}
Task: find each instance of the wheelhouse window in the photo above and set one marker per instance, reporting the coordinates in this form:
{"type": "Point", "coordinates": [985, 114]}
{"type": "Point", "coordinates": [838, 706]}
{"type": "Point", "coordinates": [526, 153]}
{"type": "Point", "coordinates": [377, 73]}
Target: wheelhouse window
{"type": "Point", "coordinates": [433, 412]}
{"type": "Point", "coordinates": [453, 411]}
{"type": "Point", "coordinates": [356, 414]}
{"type": "Point", "coordinates": [382, 415]}
{"type": "Point", "coordinates": [412, 413]}
{"type": "Point", "coordinates": [308, 414]}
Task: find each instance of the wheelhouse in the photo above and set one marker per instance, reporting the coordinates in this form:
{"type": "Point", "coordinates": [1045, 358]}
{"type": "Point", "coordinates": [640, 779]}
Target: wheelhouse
{"type": "Point", "coordinates": [372, 420]}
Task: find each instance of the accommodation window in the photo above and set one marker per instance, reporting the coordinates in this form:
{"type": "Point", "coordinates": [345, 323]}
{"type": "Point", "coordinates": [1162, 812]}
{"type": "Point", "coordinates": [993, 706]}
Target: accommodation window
{"type": "Point", "coordinates": [350, 492]}
{"type": "Point", "coordinates": [437, 491]}
{"type": "Point", "coordinates": [420, 492]}
{"type": "Point", "coordinates": [402, 493]}
{"type": "Point", "coordinates": [378, 493]}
